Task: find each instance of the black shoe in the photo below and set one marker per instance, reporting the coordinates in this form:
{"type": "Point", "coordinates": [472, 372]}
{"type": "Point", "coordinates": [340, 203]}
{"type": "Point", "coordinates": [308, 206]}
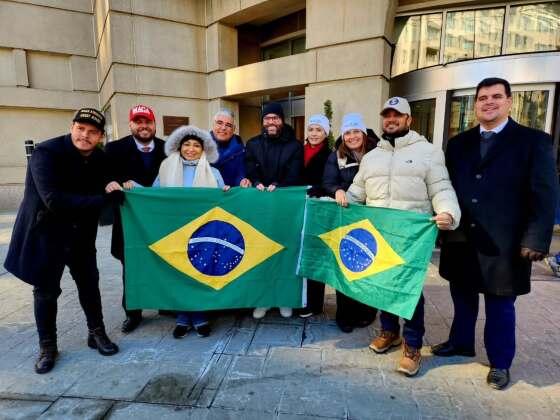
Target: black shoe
{"type": "Point", "coordinates": [203, 330]}
{"type": "Point", "coordinates": [181, 330]}
{"type": "Point", "coordinates": [47, 357]}
{"type": "Point", "coordinates": [97, 339]}
{"type": "Point", "coordinates": [498, 378]}
{"type": "Point", "coordinates": [447, 349]}
{"type": "Point", "coordinates": [344, 326]}
{"type": "Point", "coordinates": [130, 324]}
{"type": "Point", "coordinates": [166, 312]}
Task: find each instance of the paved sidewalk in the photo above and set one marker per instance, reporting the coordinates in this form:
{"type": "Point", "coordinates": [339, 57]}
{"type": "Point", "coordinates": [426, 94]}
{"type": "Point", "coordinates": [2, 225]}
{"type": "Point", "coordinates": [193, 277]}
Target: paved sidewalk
{"type": "Point", "coordinates": [272, 369]}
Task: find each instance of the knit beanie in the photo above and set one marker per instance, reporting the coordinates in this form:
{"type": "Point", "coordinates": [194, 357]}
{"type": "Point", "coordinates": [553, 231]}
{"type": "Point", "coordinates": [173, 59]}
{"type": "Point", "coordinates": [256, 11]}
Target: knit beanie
{"type": "Point", "coordinates": [273, 108]}
{"type": "Point", "coordinates": [320, 120]}
{"type": "Point", "coordinates": [353, 121]}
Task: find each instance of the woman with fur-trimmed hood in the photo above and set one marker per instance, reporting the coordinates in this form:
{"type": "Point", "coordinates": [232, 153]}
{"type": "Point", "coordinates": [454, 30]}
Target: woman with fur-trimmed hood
{"type": "Point", "coordinates": [190, 151]}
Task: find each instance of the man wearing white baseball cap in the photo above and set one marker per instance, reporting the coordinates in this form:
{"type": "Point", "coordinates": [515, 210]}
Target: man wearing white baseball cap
{"type": "Point", "coordinates": [405, 172]}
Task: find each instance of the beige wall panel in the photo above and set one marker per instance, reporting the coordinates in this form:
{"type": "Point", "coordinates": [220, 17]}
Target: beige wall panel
{"type": "Point", "coordinates": [218, 9]}
{"type": "Point", "coordinates": [104, 59]}
{"type": "Point", "coordinates": [20, 66]}
{"type": "Point", "coordinates": [120, 5]}
{"type": "Point", "coordinates": [358, 59]}
{"type": "Point", "coordinates": [365, 96]}
{"type": "Point", "coordinates": [162, 82]}
{"type": "Point", "coordinates": [288, 71]}
{"type": "Point", "coordinates": [249, 121]}
{"type": "Point", "coordinates": [160, 43]}
{"type": "Point", "coordinates": [100, 12]}
{"type": "Point", "coordinates": [76, 5]}
{"type": "Point", "coordinates": [49, 71]}
{"type": "Point", "coordinates": [7, 67]}
{"type": "Point", "coordinates": [19, 125]}
{"type": "Point", "coordinates": [221, 47]}
{"type": "Point", "coordinates": [119, 30]}
{"type": "Point", "coordinates": [187, 11]}
{"type": "Point", "coordinates": [196, 110]}
{"type": "Point", "coordinates": [73, 35]}
{"type": "Point", "coordinates": [84, 73]}
{"type": "Point", "coordinates": [49, 99]}
{"type": "Point", "coordinates": [334, 21]}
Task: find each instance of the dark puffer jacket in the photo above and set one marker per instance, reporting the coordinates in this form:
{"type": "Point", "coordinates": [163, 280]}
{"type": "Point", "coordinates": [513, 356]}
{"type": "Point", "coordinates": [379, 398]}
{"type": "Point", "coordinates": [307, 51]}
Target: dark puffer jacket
{"type": "Point", "coordinates": [339, 173]}
{"type": "Point", "coordinates": [313, 172]}
{"type": "Point", "coordinates": [274, 160]}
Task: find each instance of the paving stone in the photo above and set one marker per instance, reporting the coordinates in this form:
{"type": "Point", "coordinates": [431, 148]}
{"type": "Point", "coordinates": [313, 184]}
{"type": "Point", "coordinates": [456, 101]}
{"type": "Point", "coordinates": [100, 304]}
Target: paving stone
{"type": "Point", "coordinates": [246, 367]}
{"type": "Point", "coordinates": [366, 402]}
{"type": "Point", "coordinates": [78, 409]}
{"type": "Point", "coordinates": [239, 341]}
{"type": "Point", "coordinates": [22, 410]}
{"type": "Point", "coordinates": [270, 335]}
{"type": "Point", "coordinates": [260, 394]}
{"type": "Point", "coordinates": [285, 362]}
{"type": "Point", "coordinates": [139, 411]}
{"type": "Point", "coordinates": [314, 396]}
{"type": "Point", "coordinates": [211, 378]}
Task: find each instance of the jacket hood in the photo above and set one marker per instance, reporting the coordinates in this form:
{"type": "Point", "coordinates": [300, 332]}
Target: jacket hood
{"type": "Point", "coordinates": [410, 138]}
{"type": "Point", "coordinates": [209, 145]}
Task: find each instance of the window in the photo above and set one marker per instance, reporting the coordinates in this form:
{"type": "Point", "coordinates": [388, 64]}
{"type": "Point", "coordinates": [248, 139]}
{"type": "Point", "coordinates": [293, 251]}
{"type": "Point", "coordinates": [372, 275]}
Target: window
{"type": "Point", "coordinates": [418, 40]}
{"type": "Point", "coordinates": [534, 28]}
{"type": "Point", "coordinates": [528, 108]}
{"type": "Point", "coordinates": [283, 49]}
{"type": "Point", "coordinates": [423, 116]}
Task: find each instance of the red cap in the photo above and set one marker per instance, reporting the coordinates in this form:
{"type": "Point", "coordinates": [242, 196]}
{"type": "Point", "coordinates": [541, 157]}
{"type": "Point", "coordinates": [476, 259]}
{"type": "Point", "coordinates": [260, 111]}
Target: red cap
{"type": "Point", "coordinates": [141, 111]}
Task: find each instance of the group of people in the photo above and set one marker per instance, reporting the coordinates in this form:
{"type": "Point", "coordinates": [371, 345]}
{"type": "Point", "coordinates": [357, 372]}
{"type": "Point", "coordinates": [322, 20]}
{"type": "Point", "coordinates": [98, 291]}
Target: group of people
{"type": "Point", "coordinates": [492, 195]}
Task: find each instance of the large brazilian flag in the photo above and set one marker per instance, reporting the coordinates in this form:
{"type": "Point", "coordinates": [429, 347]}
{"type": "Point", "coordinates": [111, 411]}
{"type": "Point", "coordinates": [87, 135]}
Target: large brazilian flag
{"type": "Point", "coordinates": [202, 248]}
{"type": "Point", "coordinates": [377, 256]}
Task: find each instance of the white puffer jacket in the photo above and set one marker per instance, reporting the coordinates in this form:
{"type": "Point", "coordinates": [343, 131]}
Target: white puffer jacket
{"type": "Point", "coordinates": [411, 176]}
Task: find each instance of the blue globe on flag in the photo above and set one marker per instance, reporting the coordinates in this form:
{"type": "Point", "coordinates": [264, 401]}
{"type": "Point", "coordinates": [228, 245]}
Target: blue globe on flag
{"type": "Point", "coordinates": [358, 249]}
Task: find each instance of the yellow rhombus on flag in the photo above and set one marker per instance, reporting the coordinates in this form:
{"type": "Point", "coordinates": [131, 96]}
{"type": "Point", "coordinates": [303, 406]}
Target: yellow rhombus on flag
{"type": "Point", "coordinates": [215, 248]}
{"type": "Point", "coordinates": [360, 250]}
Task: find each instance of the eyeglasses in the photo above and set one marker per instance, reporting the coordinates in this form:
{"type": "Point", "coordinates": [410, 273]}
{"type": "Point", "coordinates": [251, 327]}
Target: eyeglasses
{"type": "Point", "coordinates": [221, 123]}
{"type": "Point", "coordinates": [270, 119]}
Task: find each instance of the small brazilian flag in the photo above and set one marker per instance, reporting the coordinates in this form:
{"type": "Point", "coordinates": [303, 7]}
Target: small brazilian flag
{"type": "Point", "coordinates": [375, 255]}
{"type": "Point", "coordinates": [202, 248]}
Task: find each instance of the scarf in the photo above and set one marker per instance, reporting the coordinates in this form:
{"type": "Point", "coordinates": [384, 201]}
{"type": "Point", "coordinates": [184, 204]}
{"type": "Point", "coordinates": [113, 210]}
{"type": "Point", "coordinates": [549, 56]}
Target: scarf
{"type": "Point", "coordinates": [309, 152]}
{"type": "Point", "coordinates": [171, 172]}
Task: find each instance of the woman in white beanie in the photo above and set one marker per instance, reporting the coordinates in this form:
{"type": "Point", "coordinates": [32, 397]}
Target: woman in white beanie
{"type": "Point", "coordinates": [341, 167]}
{"type": "Point", "coordinates": [316, 151]}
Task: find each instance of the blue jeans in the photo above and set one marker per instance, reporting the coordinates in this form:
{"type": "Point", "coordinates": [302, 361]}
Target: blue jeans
{"type": "Point", "coordinates": [413, 330]}
{"type": "Point", "coordinates": [499, 329]}
{"type": "Point", "coordinates": [195, 319]}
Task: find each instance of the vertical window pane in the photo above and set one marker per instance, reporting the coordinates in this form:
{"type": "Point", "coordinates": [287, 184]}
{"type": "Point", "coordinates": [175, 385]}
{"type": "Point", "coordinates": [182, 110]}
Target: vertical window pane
{"type": "Point", "coordinates": [489, 25]}
{"type": "Point", "coordinates": [276, 51]}
{"type": "Point", "coordinates": [407, 34]}
{"type": "Point", "coordinates": [298, 45]}
{"type": "Point", "coordinates": [462, 114]}
{"type": "Point", "coordinates": [430, 38]}
{"type": "Point", "coordinates": [534, 28]}
{"type": "Point", "coordinates": [529, 108]}
{"type": "Point", "coordinates": [423, 116]}
{"type": "Point", "coordinates": [459, 36]}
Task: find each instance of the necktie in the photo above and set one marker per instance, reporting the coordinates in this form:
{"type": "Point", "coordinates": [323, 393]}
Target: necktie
{"type": "Point", "coordinates": [487, 138]}
{"type": "Point", "coordinates": [146, 149]}
{"type": "Point", "coordinates": [487, 135]}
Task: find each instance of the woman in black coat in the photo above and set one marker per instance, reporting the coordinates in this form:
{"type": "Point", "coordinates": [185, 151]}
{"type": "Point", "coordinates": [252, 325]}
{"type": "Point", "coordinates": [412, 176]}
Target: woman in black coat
{"type": "Point", "coordinates": [340, 170]}
{"type": "Point", "coordinates": [315, 152]}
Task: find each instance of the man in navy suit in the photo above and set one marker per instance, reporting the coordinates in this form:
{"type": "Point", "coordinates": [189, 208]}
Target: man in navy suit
{"type": "Point", "coordinates": [134, 158]}
{"type": "Point", "coordinates": [505, 179]}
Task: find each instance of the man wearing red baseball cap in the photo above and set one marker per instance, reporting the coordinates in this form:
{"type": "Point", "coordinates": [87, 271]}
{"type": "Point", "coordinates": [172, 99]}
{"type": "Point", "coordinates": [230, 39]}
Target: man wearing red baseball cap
{"type": "Point", "coordinates": [134, 158]}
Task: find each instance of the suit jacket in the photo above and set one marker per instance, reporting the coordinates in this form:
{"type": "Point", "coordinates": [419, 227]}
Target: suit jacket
{"type": "Point", "coordinates": [126, 164]}
{"type": "Point", "coordinates": [507, 200]}
{"type": "Point", "coordinates": [64, 193]}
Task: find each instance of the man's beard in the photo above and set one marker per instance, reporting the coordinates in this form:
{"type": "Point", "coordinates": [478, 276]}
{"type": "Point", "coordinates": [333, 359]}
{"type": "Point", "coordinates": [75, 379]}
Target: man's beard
{"type": "Point", "coordinates": [395, 135]}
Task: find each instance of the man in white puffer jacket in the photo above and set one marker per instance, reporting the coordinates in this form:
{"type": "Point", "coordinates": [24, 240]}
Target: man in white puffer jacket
{"type": "Point", "coordinates": [405, 172]}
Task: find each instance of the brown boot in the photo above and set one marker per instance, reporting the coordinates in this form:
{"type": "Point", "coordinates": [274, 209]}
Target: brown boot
{"type": "Point", "coordinates": [410, 361]}
{"type": "Point", "coordinates": [384, 341]}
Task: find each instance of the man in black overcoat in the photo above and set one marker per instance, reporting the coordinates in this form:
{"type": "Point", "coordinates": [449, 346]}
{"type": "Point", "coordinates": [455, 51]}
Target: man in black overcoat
{"type": "Point", "coordinates": [56, 226]}
{"type": "Point", "coordinates": [134, 159]}
{"type": "Point", "coordinates": [505, 179]}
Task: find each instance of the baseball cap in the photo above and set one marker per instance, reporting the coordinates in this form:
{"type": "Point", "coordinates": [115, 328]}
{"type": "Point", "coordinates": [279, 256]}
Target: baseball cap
{"type": "Point", "coordinates": [398, 104]}
{"type": "Point", "coordinates": [91, 116]}
{"type": "Point", "coordinates": [141, 111]}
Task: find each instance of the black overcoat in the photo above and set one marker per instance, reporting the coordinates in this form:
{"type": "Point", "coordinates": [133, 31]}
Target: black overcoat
{"type": "Point", "coordinates": [507, 201]}
{"type": "Point", "coordinates": [277, 161]}
{"type": "Point", "coordinates": [126, 164]}
{"type": "Point", "coordinates": [64, 193]}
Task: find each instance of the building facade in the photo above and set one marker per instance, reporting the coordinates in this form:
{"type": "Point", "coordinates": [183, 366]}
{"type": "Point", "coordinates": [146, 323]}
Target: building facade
{"type": "Point", "coordinates": [189, 58]}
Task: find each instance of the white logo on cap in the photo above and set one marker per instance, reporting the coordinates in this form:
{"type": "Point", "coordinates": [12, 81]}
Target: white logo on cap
{"type": "Point", "coordinates": [394, 101]}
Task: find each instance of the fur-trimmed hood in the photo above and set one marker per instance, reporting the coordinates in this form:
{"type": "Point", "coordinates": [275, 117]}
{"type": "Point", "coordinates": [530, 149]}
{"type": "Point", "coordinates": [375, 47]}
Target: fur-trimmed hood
{"type": "Point", "coordinates": [209, 145]}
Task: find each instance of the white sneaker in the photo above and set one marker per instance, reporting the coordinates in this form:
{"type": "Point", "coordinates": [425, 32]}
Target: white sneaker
{"type": "Point", "coordinates": [259, 313]}
{"type": "Point", "coordinates": [286, 312]}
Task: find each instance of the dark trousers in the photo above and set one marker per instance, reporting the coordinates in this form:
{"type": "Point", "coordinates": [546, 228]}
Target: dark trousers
{"type": "Point", "coordinates": [499, 329]}
{"type": "Point", "coordinates": [315, 296]}
{"type": "Point", "coordinates": [350, 311]}
{"type": "Point", "coordinates": [130, 313]}
{"type": "Point", "coordinates": [83, 268]}
{"type": "Point", "coordinates": [413, 329]}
